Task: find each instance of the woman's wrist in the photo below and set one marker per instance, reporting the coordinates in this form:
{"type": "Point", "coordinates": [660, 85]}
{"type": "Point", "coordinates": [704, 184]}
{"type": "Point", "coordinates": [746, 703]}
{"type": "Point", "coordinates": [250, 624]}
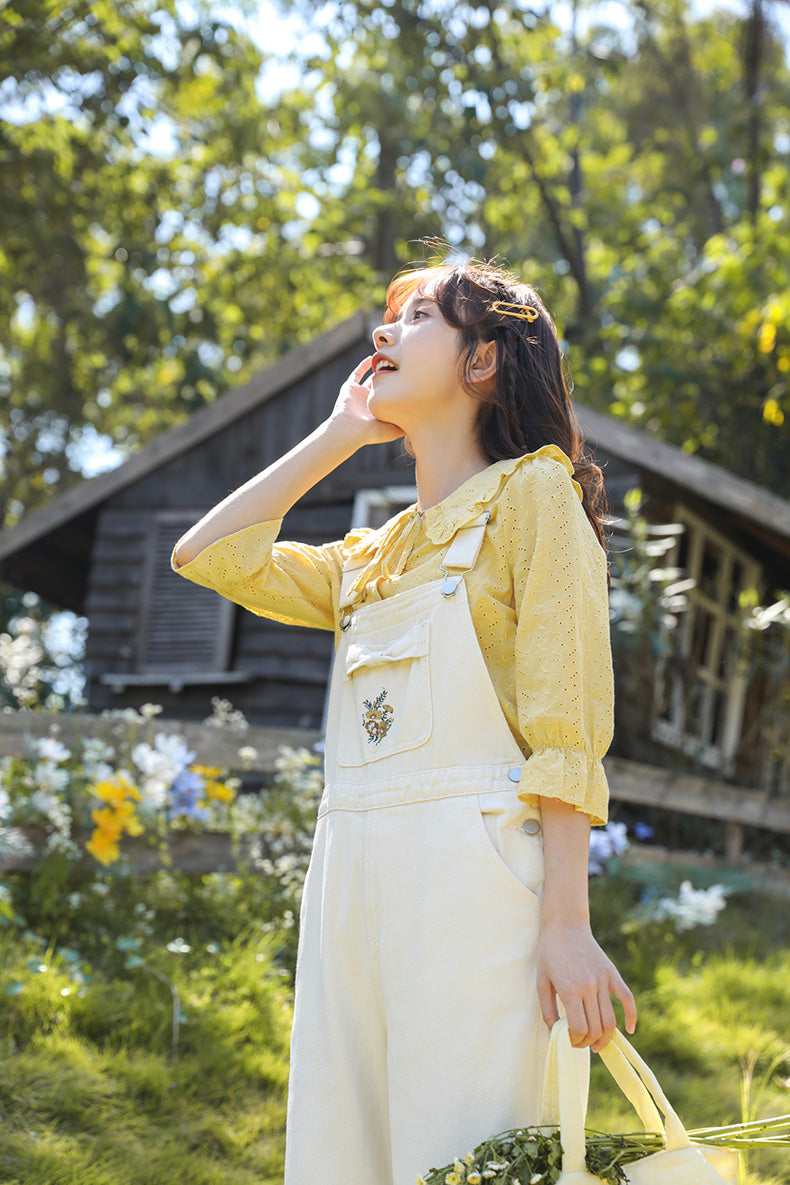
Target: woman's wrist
{"type": "Point", "coordinates": [557, 911]}
{"type": "Point", "coordinates": [347, 433]}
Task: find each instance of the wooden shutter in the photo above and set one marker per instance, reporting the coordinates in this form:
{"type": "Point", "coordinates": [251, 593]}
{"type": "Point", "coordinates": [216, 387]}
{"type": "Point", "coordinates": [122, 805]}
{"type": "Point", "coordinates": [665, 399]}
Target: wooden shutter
{"type": "Point", "coordinates": [183, 627]}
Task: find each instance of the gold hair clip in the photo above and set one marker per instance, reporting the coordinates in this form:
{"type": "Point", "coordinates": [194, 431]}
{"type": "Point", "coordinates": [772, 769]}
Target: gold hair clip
{"type": "Point", "coordinates": [524, 312]}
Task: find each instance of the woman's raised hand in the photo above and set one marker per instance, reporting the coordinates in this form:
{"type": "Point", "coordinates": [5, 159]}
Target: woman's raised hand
{"type": "Point", "coordinates": [352, 413]}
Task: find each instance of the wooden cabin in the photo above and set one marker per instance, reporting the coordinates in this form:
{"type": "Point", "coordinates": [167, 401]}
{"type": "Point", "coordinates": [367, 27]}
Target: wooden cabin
{"type": "Point", "coordinates": [102, 549]}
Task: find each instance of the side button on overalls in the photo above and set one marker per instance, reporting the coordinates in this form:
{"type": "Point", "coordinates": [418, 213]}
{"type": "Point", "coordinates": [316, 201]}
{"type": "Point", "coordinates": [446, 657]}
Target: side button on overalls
{"type": "Point", "coordinates": [417, 1028]}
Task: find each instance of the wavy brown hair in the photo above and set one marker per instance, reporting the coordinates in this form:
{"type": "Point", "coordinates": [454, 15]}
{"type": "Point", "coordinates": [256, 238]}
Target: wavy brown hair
{"type": "Point", "coordinates": [529, 405]}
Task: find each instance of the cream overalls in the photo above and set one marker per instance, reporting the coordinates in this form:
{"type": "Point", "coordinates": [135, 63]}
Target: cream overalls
{"type": "Point", "coordinates": [417, 1028]}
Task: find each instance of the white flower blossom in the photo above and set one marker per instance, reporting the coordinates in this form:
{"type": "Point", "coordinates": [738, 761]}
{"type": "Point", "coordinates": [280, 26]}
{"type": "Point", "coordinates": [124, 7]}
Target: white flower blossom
{"type": "Point", "coordinates": [50, 777]}
{"type": "Point", "coordinates": [95, 751]}
{"type": "Point", "coordinates": [5, 805]}
{"type": "Point", "coordinates": [692, 907]}
{"type": "Point", "coordinates": [224, 715]}
{"type": "Point", "coordinates": [51, 749]}
{"type": "Point", "coordinates": [101, 772]}
{"type": "Point", "coordinates": [160, 764]}
{"type": "Point", "coordinates": [45, 802]}
{"type": "Point", "coordinates": [174, 748]}
{"type": "Point", "coordinates": [606, 842]}
{"type": "Point", "coordinates": [179, 947]}
{"type": "Point", "coordinates": [20, 656]}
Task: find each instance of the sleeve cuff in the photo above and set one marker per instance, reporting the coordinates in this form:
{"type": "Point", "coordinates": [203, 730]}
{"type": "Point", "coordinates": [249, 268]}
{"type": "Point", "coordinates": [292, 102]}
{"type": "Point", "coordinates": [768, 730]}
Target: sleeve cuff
{"type": "Point", "coordinates": [575, 778]}
{"type": "Point", "coordinates": [225, 558]}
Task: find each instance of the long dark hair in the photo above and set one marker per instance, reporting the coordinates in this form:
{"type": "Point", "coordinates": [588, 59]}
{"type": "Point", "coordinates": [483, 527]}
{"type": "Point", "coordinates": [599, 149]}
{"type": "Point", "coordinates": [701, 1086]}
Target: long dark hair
{"type": "Point", "coordinates": [530, 405]}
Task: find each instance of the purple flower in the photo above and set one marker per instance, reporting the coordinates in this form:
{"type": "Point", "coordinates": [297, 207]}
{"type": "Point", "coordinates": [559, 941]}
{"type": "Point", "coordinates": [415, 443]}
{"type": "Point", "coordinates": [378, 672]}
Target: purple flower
{"type": "Point", "coordinates": [643, 831]}
{"type": "Point", "coordinates": [185, 793]}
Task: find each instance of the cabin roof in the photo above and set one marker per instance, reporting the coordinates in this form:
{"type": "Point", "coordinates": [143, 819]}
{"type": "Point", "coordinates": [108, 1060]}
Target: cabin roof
{"type": "Point", "coordinates": [64, 529]}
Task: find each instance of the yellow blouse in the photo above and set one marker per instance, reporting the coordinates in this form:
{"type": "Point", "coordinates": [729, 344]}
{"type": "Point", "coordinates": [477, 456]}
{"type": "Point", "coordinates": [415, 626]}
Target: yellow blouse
{"type": "Point", "coordinates": [538, 598]}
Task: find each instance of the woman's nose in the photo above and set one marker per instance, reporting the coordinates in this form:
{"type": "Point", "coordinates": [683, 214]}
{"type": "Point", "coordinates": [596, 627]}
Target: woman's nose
{"type": "Point", "coordinates": [383, 336]}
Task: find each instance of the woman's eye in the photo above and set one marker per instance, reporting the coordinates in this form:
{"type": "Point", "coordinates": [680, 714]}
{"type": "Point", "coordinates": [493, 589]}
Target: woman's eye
{"type": "Point", "coordinates": [419, 313]}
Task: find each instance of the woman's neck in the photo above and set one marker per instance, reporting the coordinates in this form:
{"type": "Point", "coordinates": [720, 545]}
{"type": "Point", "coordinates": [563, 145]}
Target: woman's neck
{"type": "Point", "coordinates": [443, 462]}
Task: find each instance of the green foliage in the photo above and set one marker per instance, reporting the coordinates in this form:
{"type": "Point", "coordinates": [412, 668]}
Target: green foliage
{"type": "Point", "coordinates": [144, 193]}
{"type": "Point", "coordinates": [90, 1090]}
{"type": "Point", "coordinates": [626, 167]}
{"type": "Point", "coordinates": [89, 1094]}
{"type": "Point", "coordinates": [166, 230]}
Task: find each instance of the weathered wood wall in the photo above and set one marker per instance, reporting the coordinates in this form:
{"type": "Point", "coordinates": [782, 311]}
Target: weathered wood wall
{"type": "Point", "coordinates": [287, 668]}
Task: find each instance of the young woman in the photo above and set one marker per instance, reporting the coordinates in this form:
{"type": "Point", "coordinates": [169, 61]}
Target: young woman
{"type": "Point", "coordinates": [445, 911]}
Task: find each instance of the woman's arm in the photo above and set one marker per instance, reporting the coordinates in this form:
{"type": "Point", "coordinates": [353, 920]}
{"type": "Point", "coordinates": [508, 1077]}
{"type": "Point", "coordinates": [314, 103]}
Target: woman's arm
{"type": "Point", "coordinates": [571, 964]}
{"type": "Point", "coordinates": [272, 493]}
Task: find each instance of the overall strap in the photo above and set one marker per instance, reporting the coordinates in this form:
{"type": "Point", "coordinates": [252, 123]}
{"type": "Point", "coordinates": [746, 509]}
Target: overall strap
{"type": "Point", "coordinates": [348, 576]}
{"type": "Point", "coordinates": [462, 553]}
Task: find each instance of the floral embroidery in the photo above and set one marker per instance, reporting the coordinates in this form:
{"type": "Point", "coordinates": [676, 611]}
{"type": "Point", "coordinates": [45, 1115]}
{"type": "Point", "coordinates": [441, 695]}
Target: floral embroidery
{"type": "Point", "coordinates": [377, 720]}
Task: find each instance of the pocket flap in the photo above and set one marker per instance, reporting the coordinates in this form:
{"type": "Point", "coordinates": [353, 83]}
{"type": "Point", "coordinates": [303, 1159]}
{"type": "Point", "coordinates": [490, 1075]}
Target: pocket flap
{"type": "Point", "coordinates": [412, 644]}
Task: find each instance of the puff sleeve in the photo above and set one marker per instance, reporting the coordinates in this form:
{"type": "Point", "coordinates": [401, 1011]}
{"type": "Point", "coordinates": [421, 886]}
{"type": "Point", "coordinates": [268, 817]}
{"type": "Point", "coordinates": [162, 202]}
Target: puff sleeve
{"type": "Point", "coordinates": [289, 582]}
{"type": "Point", "coordinates": [563, 664]}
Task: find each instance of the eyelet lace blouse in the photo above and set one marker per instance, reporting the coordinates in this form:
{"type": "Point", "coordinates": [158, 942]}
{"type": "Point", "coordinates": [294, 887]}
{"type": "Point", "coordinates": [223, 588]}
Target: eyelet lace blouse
{"type": "Point", "coordinates": [538, 598]}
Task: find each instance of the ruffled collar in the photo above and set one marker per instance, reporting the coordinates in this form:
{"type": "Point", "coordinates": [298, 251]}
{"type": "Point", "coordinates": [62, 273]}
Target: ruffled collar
{"type": "Point", "coordinates": [464, 504]}
{"type": "Point", "coordinates": [384, 553]}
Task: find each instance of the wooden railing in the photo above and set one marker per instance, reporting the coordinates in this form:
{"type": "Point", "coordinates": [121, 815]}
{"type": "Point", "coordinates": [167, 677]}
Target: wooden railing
{"type": "Point", "coordinates": [629, 781]}
{"type": "Point", "coordinates": [212, 745]}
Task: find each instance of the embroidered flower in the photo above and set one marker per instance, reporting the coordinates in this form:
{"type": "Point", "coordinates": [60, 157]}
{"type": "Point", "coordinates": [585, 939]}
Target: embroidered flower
{"type": "Point", "coordinates": [377, 719]}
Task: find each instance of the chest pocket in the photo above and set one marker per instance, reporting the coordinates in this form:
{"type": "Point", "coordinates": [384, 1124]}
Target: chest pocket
{"type": "Point", "coordinates": [386, 695]}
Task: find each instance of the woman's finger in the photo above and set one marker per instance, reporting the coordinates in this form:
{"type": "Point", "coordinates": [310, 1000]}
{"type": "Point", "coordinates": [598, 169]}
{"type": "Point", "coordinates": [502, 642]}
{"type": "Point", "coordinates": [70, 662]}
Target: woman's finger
{"type": "Point", "coordinates": [595, 1027]}
{"type": "Point", "coordinates": [548, 1001]}
{"type": "Point", "coordinates": [626, 998]}
{"type": "Point", "coordinates": [608, 1020]}
{"type": "Point", "coordinates": [578, 1025]}
{"type": "Point", "coordinates": [360, 369]}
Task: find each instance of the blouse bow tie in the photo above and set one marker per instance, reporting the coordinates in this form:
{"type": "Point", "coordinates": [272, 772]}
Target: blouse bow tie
{"type": "Point", "coordinates": [389, 558]}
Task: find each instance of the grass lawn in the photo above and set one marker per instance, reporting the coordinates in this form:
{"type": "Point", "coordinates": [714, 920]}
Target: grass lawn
{"type": "Point", "coordinates": [714, 1015]}
{"type": "Point", "coordinates": [90, 1095]}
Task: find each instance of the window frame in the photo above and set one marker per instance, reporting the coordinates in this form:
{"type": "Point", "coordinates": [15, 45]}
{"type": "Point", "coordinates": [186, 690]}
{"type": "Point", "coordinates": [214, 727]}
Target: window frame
{"type": "Point", "coordinates": [168, 525]}
{"type": "Point", "coordinates": [369, 503]}
{"type": "Point", "coordinates": [716, 753]}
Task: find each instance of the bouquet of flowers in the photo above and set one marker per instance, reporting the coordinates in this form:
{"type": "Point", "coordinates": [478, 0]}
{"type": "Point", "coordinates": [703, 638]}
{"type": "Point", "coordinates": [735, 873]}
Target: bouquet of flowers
{"type": "Point", "coordinates": [566, 1150]}
{"type": "Point", "coordinates": [533, 1155]}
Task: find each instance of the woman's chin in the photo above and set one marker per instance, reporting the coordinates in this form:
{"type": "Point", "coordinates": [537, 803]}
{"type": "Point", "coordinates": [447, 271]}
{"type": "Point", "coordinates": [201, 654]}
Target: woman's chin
{"type": "Point", "coordinates": [382, 408]}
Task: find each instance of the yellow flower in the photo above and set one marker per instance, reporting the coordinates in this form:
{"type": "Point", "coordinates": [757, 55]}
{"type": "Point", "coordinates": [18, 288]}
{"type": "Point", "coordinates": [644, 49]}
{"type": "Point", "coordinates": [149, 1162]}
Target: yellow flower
{"type": "Point", "coordinates": [767, 338]}
{"type": "Point", "coordinates": [772, 413]}
{"type": "Point", "coordinates": [214, 787]}
{"type": "Point", "coordinates": [452, 1179]}
{"type": "Point", "coordinates": [209, 772]}
{"type": "Point", "coordinates": [127, 818]}
{"type": "Point", "coordinates": [474, 1179]}
{"type": "Point", "coordinates": [115, 789]}
{"type": "Point", "coordinates": [106, 820]}
{"type": "Point", "coordinates": [220, 791]}
{"type": "Point", "coordinates": [469, 1158]}
{"type": "Point", "coordinates": [458, 1167]}
{"type": "Point", "coordinates": [104, 846]}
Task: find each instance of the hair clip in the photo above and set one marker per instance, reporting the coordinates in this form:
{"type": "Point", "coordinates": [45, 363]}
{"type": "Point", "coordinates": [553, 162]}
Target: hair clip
{"type": "Point", "coordinates": [523, 312]}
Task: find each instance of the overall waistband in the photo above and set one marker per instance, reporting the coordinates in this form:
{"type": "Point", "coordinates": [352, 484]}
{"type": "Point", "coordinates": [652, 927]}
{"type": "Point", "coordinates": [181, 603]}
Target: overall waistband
{"type": "Point", "coordinates": [429, 785]}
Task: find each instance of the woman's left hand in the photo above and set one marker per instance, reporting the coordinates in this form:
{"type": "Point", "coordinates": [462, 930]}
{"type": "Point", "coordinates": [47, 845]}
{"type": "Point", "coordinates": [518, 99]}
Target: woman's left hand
{"type": "Point", "coordinates": [573, 966]}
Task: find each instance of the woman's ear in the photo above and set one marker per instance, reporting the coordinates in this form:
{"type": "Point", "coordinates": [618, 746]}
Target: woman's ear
{"type": "Point", "coordinates": [483, 366]}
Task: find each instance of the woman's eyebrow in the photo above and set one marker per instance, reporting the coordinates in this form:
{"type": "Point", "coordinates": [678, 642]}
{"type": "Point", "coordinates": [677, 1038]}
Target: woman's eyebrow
{"type": "Point", "coordinates": [422, 299]}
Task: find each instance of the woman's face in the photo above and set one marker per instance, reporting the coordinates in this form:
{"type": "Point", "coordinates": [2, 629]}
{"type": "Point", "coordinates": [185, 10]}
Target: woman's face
{"type": "Point", "coordinates": [416, 365]}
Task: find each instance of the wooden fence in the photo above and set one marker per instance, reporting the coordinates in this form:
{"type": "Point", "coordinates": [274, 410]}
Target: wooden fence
{"type": "Point", "coordinates": [629, 781]}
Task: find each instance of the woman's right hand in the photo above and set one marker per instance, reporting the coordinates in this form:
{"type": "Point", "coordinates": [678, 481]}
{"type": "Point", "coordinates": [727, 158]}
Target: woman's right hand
{"type": "Point", "coordinates": [351, 410]}
{"type": "Point", "coordinates": [271, 494]}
